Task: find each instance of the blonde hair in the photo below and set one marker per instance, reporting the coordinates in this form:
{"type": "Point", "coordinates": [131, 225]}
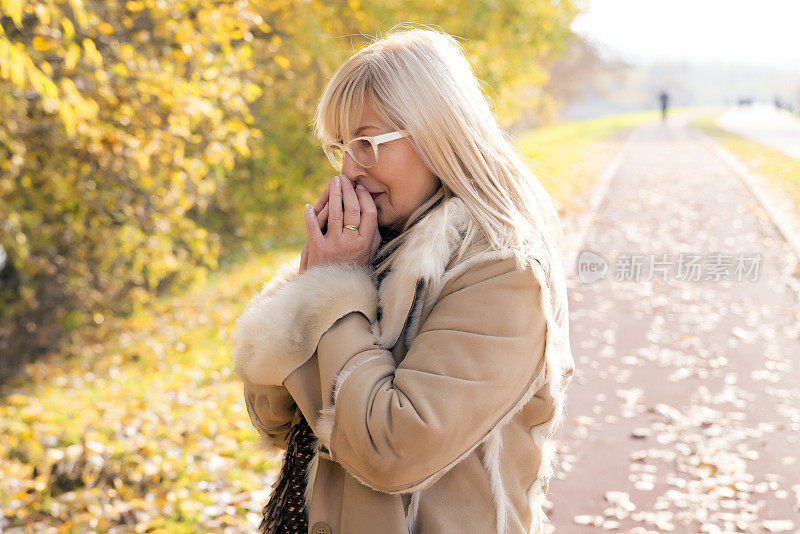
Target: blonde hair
{"type": "Point", "coordinates": [420, 80]}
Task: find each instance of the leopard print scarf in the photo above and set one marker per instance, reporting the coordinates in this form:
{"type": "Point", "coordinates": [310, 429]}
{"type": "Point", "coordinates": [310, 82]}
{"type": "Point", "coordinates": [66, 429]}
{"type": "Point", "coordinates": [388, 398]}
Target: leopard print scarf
{"type": "Point", "coordinates": [286, 512]}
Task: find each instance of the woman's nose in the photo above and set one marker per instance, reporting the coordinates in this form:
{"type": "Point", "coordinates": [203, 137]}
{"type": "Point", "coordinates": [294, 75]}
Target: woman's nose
{"type": "Point", "coordinates": [350, 169]}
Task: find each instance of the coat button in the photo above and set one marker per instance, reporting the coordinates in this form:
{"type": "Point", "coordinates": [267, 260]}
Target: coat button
{"type": "Point", "coordinates": [321, 527]}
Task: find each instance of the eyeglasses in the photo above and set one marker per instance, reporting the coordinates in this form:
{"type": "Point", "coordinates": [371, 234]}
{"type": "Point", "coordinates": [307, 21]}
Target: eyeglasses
{"type": "Point", "coordinates": [364, 150]}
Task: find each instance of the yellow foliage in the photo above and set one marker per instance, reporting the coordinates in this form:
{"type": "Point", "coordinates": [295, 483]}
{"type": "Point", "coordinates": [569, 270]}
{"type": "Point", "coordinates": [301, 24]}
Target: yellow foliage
{"type": "Point", "coordinates": [68, 117]}
{"type": "Point", "coordinates": [91, 52]}
{"type": "Point", "coordinates": [80, 13]}
{"type": "Point", "coordinates": [13, 8]}
{"type": "Point", "coordinates": [14, 65]}
{"type": "Point", "coordinates": [42, 13]}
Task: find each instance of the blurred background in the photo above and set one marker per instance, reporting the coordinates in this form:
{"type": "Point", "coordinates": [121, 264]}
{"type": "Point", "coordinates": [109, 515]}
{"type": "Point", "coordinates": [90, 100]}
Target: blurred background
{"type": "Point", "coordinates": [155, 156]}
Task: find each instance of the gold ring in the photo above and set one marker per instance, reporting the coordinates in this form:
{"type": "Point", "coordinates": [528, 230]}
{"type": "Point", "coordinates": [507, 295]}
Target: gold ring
{"type": "Point", "coordinates": [351, 226]}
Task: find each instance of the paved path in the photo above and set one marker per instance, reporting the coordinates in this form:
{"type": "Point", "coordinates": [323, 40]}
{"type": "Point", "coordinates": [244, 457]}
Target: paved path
{"type": "Point", "coordinates": [684, 413]}
{"type": "Point", "coordinates": [765, 124]}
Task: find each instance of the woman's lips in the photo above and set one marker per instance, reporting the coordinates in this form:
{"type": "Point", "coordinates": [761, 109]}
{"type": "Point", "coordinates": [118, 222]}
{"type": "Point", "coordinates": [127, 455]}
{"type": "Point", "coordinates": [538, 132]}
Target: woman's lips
{"type": "Point", "coordinates": [375, 195]}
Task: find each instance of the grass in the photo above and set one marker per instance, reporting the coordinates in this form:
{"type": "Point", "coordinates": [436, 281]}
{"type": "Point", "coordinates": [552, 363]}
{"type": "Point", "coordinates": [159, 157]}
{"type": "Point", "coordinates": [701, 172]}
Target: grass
{"type": "Point", "coordinates": [138, 421]}
{"type": "Point", "coordinates": [150, 416]}
{"type": "Point", "coordinates": [782, 171]}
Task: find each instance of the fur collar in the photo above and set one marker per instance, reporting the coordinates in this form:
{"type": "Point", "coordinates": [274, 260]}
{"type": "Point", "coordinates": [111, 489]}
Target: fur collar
{"type": "Point", "coordinates": [423, 256]}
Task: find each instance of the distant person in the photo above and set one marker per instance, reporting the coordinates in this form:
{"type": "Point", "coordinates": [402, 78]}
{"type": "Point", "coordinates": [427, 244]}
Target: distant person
{"type": "Point", "coordinates": [664, 98]}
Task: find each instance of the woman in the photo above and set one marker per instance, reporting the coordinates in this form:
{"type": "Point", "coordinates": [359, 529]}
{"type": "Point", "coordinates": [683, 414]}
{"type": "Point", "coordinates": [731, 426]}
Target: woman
{"type": "Point", "coordinates": [422, 333]}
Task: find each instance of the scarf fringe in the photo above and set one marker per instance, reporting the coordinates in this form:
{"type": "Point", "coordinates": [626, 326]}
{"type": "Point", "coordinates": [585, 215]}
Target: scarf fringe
{"type": "Point", "coordinates": [286, 511]}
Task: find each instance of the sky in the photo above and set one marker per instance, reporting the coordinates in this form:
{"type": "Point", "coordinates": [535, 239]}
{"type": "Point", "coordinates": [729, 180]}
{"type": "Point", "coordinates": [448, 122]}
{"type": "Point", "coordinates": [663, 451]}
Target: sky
{"type": "Point", "coordinates": [763, 33]}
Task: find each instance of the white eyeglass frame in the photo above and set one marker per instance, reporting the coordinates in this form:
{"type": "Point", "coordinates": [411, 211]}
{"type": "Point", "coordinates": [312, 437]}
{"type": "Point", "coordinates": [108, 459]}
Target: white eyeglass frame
{"type": "Point", "coordinates": [374, 140]}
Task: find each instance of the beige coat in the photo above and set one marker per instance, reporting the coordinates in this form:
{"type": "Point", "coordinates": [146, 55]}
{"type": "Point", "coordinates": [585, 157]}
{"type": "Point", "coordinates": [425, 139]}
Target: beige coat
{"type": "Point", "coordinates": [436, 417]}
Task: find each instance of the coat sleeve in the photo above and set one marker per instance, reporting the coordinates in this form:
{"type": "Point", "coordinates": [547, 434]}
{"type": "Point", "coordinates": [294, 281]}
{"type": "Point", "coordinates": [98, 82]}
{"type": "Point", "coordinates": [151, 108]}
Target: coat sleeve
{"type": "Point", "coordinates": [271, 410]}
{"type": "Point", "coordinates": [398, 428]}
{"type": "Point", "coordinates": [279, 330]}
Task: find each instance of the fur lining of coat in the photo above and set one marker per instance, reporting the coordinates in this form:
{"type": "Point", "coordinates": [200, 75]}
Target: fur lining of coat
{"type": "Point", "coordinates": [294, 316]}
{"type": "Point", "coordinates": [281, 326]}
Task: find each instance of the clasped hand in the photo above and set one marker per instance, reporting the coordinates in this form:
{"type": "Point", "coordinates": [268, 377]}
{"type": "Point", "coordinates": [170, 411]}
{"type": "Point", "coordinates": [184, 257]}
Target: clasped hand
{"type": "Point", "coordinates": [341, 204]}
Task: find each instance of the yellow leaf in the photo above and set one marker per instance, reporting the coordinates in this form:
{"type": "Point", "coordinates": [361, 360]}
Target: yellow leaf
{"type": "Point", "coordinates": [251, 92]}
{"type": "Point", "coordinates": [5, 54]}
{"type": "Point", "coordinates": [210, 73]}
{"type": "Point", "coordinates": [43, 14]}
{"type": "Point", "coordinates": [126, 51]}
{"type": "Point", "coordinates": [242, 148]}
{"type": "Point", "coordinates": [40, 44]}
{"type": "Point", "coordinates": [91, 52]}
{"type": "Point", "coordinates": [86, 108]}
{"type": "Point", "coordinates": [71, 56]}
{"type": "Point", "coordinates": [17, 399]}
{"type": "Point", "coordinates": [15, 66]}
{"type": "Point", "coordinates": [68, 88]}
{"type": "Point", "coordinates": [68, 118]}
{"type": "Point", "coordinates": [79, 12]}
{"type": "Point", "coordinates": [45, 87]}
{"type": "Point", "coordinates": [134, 5]}
{"type": "Point", "coordinates": [14, 10]}
{"type": "Point", "coordinates": [282, 61]}
{"type": "Point", "coordinates": [228, 162]}
{"type": "Point", "coordinates": [105, 28]}
{"type": "Point", "coordinates": [69, 29]}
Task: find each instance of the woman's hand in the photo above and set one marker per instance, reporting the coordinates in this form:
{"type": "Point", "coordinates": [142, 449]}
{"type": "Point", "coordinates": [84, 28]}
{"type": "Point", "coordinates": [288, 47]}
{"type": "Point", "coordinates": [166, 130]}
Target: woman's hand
{"type": "Point", "coordinates": [346, 206]}
{"type": "Point", "coordinates": [321, 212]}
